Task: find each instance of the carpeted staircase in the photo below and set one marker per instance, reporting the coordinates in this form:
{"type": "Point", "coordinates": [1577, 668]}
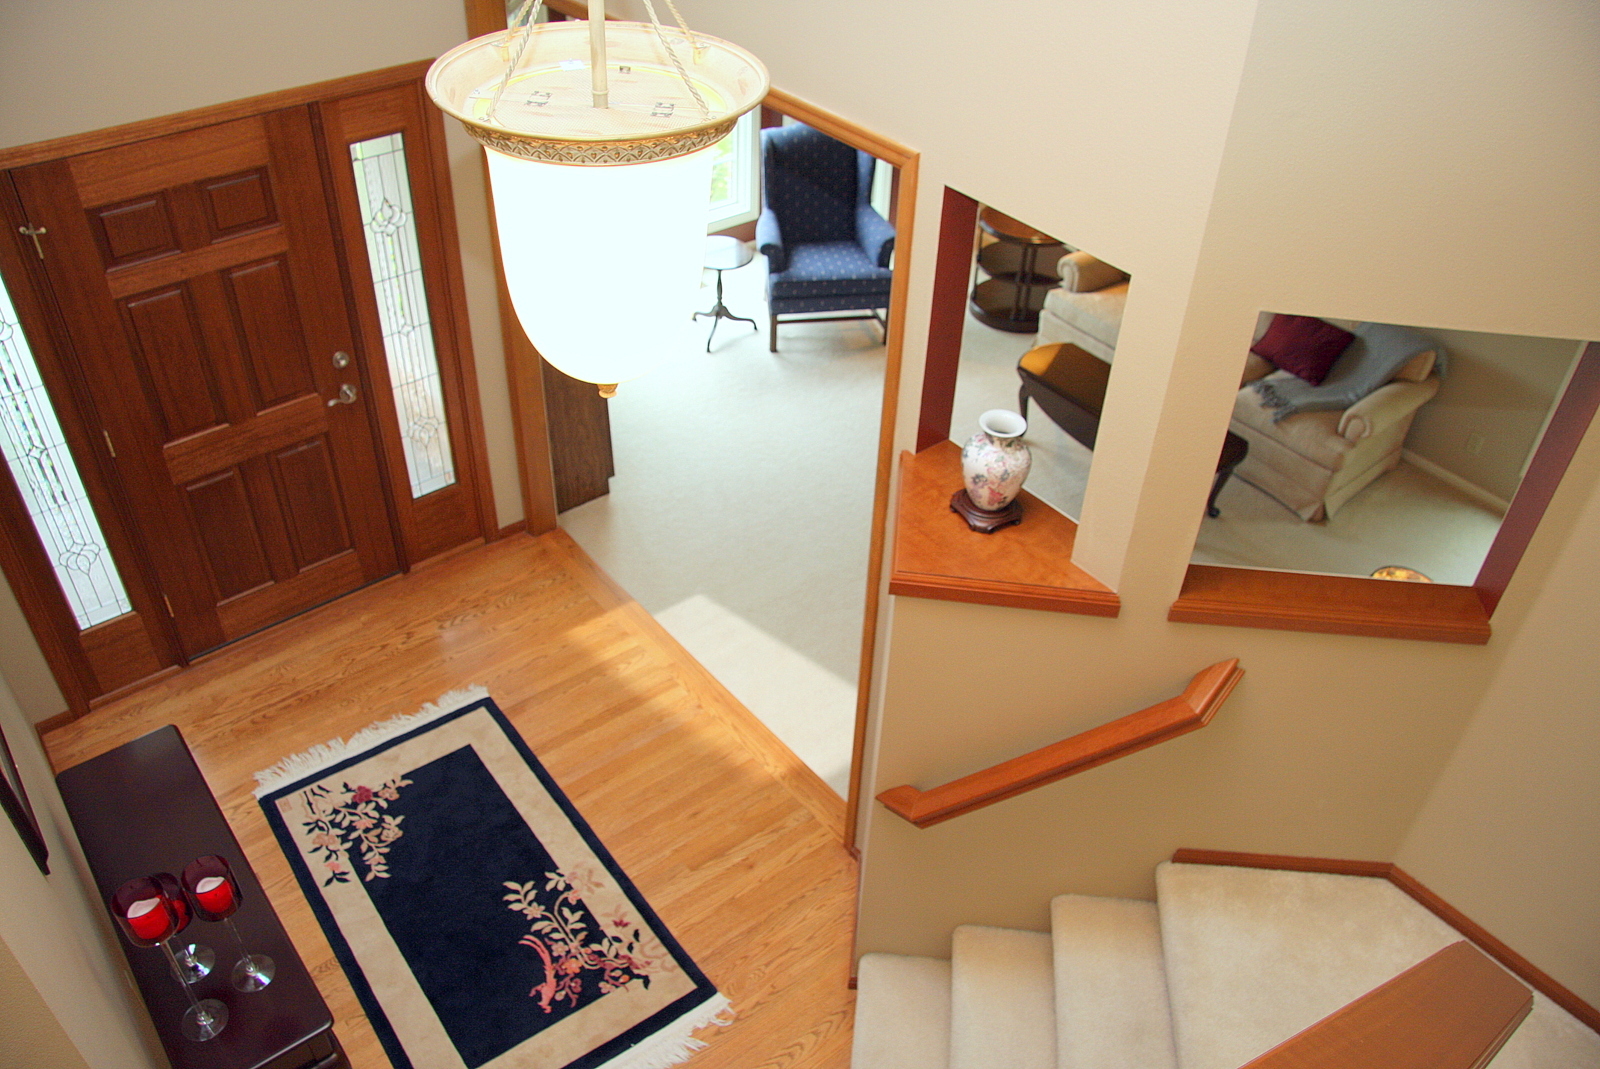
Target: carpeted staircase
{"type": "Point", "coordinates": [1225, 965]}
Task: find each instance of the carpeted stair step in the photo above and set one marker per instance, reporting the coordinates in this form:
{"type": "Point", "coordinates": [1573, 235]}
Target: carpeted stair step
{"type": "Point", "coordinates": [1002, 999]}
{"type": "Point", "coordinates": [902, 1013]}
{"type": "Point", "coordinates": [1256, 955]}
{"type": "Point", "coordinates": [1111, 986]}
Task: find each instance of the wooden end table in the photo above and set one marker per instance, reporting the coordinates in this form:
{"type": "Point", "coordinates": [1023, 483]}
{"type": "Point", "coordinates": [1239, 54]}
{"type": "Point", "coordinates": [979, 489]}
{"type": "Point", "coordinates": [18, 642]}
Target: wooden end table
{"type": "Point", "coordinates": [1011, 298]}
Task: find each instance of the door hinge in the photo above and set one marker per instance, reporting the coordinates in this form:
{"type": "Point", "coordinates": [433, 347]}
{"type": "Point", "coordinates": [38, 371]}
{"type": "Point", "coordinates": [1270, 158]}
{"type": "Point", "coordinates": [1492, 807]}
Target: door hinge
{"type": "Point", "coordinates": [34, 232]}
{"type": "Point", "coordinates": [109, 447]}
{"type": "Point", "coordinates": [168, 602]}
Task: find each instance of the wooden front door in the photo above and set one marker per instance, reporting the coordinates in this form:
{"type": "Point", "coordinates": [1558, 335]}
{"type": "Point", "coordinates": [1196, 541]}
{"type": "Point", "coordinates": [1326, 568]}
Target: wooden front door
{"type": "Point", "coordinates": [200, 287]}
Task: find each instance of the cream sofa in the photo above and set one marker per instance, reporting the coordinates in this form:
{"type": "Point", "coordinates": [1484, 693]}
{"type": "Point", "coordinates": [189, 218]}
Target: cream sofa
{"type": "Point", "coordinates": [1086, 309]}
{"type": "Point", "coordinates": [1314, 462]}
{"type": "Point", "coordinates": [1311, 462]}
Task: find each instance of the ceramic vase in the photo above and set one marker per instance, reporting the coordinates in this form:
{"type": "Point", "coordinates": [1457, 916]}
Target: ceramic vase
{"type": "Point", "coordinates": [995, 461]}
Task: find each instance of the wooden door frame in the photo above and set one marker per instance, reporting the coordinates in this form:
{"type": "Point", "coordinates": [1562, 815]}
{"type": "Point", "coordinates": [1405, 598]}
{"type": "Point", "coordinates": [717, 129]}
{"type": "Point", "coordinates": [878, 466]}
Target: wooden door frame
{"type": "Point", "coordinates": [528, 396]}
{"type": "Point", "coordinates": [69, 651]}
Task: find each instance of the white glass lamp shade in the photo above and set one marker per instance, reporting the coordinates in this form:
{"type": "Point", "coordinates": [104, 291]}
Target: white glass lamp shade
{"type": "Point", "coordinates": [603, 263]}
{"type": "Point", "coordinates": [600, 199]}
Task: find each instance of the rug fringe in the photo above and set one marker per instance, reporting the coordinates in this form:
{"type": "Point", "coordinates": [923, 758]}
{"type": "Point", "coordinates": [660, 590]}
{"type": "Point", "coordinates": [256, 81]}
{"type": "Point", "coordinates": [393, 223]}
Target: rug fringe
{"type": "Point", "coordinates": [675, 1043]}
{"type": "Point", "coordinates": [298, 766]}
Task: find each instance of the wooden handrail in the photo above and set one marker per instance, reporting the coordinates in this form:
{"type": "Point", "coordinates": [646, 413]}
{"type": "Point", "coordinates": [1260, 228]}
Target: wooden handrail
{"type": "Point", "coordinates": [1189, 711]}
{"type": "Point", "coordinates": [1453, 1011]}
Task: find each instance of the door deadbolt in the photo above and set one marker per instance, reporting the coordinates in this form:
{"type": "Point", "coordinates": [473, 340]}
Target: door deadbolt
{"type": "Point", "coordinates": [347, 396]}
{"type": "Point", "coordinates": [341, 359]}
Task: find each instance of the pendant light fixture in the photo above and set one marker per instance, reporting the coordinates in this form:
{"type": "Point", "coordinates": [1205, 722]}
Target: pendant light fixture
{"type": "Point", "coordinates": [599, 138]}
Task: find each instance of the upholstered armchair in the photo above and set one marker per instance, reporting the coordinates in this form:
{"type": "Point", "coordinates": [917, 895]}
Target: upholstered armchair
{"type": "Point", "coordinates": [1086, 308]}
{"type": "Point", "coordinates": [827, 249]}
{"type": "Point", "coordinates": [1315, 444]}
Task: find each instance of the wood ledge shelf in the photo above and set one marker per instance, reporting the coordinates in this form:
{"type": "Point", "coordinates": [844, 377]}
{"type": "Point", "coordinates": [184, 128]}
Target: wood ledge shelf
{"type": "Point", "coordinates": [1025, 566]}
{"type": "Point", "coordinates": [1331, 604]}
{"type": "Point", "coordinates": [1189, 711]}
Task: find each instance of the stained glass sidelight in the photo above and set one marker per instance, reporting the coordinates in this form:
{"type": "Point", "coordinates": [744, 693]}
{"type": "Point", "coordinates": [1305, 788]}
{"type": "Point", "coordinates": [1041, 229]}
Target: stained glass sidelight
{"type": "Point", "coordinates": [43, 469]}
{"type": "Point", "coordinates": [384, 189]}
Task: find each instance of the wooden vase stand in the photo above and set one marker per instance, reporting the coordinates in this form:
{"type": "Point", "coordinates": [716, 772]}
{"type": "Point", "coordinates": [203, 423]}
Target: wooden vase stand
{"type": "Point", "coordinates": [987, 521]}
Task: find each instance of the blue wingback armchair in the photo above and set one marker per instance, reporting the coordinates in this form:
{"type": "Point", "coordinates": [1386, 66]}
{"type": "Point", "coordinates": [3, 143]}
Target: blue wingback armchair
{"type": "Point", "coordinates": [827, 249]}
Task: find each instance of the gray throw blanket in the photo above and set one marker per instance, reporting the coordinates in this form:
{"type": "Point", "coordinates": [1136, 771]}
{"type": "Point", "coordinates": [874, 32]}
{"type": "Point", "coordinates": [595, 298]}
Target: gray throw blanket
{"type": "Point", "coordinates": [1379, 350]}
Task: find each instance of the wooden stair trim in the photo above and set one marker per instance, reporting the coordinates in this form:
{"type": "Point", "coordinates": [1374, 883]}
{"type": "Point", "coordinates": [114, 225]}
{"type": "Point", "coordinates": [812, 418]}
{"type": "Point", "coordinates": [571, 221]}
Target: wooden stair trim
{"type": "Point", "coordinates": [1026, 566]}
{"type": "Point", "coordinates": [1189, 711]}
{"type": "Point", "coordinates": [1330, 604]}
{"type": "Point", "coordinates": [1528, 972]}
{"type": "Point", "coordinates": [1454, 1010]}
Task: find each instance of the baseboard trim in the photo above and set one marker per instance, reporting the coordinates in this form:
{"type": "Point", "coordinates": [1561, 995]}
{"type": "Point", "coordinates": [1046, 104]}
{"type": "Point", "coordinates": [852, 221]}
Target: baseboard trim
{"type": "Point", "coordinates": [1444, 475]}
{"type": "Point", "coordinates": [50, 723]}
{"type": "Point", "coordinates": [1520, 966]}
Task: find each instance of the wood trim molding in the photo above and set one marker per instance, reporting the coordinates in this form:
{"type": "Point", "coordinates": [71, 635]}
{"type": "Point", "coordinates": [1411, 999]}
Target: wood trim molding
{"type": "Point", "coordinates": [1535, 977]}
{"type": "Point", "coordinates": [1027, 566]}
{"type": "Point", "coordinates": [1453, 1010]}
{"type": "Point", "coordinates": [1189, 711]}
{"type": "Point", "coordinates": [1568, 424]}
{"type": "Point", "coordinates": [952, 275]}
{"type": "Point", "coordinates": [906, 162]}
{"type": "Point", "coordinates": [1330, 604]}
{"type": "Point", "coordinates": [50, 723]}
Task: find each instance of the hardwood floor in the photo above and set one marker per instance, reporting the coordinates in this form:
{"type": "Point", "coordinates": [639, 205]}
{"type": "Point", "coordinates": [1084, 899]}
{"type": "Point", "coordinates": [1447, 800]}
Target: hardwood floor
{"type": "Point", "coordinates": [729, 836]}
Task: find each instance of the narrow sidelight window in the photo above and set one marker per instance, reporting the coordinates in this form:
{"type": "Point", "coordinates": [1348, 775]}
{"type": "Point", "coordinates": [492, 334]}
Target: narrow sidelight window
{"type": "Point", "coordinates": [43, 469]}
{"type": "Point", "coordinates": [384, 189]}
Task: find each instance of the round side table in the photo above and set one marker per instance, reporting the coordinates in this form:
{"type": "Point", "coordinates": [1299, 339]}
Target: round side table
{"type": "Point", "coordinates": [1011, 297]}
{"type": "Point", "coordinates": [724, 253]}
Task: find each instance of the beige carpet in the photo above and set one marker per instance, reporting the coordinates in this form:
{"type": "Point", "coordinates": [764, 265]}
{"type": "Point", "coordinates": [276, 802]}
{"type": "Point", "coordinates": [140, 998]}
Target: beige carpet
{"type": "Point", "coordinates": [1228, 963]}
{"type": "Point", "coordinates": [741, 511]}
{"type": "Point", "coordinates": [1407, 517]}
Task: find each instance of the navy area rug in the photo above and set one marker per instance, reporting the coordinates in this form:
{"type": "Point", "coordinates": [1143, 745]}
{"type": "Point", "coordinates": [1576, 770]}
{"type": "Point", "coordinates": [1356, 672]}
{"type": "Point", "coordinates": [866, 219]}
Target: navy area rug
{"type": "Point", "coordinates": [476, 915]}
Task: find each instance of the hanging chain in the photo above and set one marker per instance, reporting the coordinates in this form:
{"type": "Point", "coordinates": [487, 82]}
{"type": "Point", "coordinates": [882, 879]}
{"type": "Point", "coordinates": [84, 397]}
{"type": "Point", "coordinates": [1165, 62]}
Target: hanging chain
{"type": "Point", "coordinates": [525, 17]}
{"type": "Point", "coordinates": [672, 53]}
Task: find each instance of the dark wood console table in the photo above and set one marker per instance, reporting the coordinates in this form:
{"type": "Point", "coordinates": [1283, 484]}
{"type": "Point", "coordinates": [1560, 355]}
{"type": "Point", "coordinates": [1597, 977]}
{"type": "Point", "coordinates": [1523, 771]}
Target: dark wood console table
{"type": "Point", "coordinates": [144, 808]}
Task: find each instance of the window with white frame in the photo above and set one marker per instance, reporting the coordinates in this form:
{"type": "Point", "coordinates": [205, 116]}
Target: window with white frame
{"type": "Point", "coordinates": [735, 175]}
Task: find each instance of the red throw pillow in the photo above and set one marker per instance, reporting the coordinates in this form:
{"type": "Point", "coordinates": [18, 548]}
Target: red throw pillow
{"type": "Point", "coordinates": [1304, 345]}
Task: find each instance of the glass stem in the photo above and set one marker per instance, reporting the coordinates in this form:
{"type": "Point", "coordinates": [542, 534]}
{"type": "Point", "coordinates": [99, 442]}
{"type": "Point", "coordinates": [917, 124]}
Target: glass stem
{"type": "Point", "coordinates": [194, 1002]}
{"type": "Point", "coordinates": [239, 942]}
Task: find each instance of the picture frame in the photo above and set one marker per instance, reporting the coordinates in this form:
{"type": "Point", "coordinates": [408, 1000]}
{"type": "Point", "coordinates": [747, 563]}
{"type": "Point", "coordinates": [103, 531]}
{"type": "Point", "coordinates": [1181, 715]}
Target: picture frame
{"type": "Point", "coordinates": [14, 800]}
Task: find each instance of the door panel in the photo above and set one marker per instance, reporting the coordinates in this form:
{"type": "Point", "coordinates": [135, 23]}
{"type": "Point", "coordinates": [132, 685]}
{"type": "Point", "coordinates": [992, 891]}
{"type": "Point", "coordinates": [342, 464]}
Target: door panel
{"type": "Point", "coordinates": [305, 480]}
{"type": "Point", "coordinates": [202, 292]}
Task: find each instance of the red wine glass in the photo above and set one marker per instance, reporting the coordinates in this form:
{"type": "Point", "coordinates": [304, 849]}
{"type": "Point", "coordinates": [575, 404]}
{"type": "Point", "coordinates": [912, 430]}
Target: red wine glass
{"type": "Point", "coordinates": [194, 959]}
{"type": "Point", "coordinates": [214, 893]}
{"type": "Point", "coordinates": [147, 916]}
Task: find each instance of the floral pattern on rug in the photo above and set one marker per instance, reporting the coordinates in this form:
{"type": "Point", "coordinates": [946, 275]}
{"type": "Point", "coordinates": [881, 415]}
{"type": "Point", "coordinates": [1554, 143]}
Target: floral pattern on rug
{"type": "Point", "coordinates": [618, 952]}
{"type": "Point", "coordinates": [351, 820]}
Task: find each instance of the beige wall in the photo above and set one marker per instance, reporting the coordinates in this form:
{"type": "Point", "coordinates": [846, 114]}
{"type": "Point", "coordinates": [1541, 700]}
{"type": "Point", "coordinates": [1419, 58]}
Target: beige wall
{"type": "Point", "coordinates": [29, 1032]}
{"type": "Point", "coordinates": [57, 932]}
{"type": "Point", "coordinates": [69, 68]}
{"type": "Point", "coordinates": [1510, 833]}
{"type": "Point", "coordinates": [1500, 387]}
{"type": "Point", "coordinates": [1285, 154]}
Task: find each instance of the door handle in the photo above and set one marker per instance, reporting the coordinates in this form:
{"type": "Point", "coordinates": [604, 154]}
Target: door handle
{"type": "Point", "coordinates": [347, 396]}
